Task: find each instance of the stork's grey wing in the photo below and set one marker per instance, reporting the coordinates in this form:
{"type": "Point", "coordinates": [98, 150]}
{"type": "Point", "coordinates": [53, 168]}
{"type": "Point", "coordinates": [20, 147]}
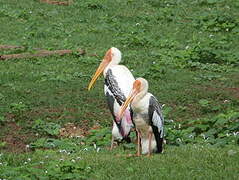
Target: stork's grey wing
{"type": "Point", "coordinates": [110, 101]}
{"type": "Point", "coordinates": [155, 115]}
{"type": "Point", "coordinates": [156, 121]}
{"type": "Point", "coordinates": [114, 88]}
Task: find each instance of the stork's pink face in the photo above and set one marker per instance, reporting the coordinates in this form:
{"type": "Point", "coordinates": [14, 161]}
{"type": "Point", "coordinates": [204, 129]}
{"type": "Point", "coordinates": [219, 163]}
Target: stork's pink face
{"type": "Point", "coordinates": [105, 62]}
{"type": "Point", "coordinates": [136, 89]}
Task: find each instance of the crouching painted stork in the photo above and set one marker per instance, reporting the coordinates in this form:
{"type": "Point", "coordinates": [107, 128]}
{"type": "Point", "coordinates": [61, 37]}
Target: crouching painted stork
{"type": "Point", "coordinates": [147, 116]}
{"type": "Point", "coordinates": [117, 86]}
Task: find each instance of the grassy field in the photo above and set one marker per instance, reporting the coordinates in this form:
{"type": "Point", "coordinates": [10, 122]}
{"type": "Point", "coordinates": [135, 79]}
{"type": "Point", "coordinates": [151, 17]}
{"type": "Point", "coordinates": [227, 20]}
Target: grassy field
{"type": "Point", "coordinates": [187, 50]}
{"type": "Point", "coordinates": [187, 162]}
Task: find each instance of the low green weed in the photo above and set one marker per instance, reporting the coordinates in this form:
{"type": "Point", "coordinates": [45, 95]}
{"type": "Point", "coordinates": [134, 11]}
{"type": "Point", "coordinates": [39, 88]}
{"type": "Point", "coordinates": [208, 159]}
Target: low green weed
{"type": "Point", "coordinates": [47, 128]}
{"type": "Point", "coordinates": [219, 130]}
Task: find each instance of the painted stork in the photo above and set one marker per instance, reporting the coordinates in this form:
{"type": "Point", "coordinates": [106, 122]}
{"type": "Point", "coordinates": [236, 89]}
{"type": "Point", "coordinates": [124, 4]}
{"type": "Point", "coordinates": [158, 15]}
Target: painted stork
{"type": "Point", "coordinates": [147, 116]}
{"type": "Point", "coordinates": [117, 86]}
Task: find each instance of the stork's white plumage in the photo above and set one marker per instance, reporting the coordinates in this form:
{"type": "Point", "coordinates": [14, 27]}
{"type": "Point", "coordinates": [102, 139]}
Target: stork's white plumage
{"type": "Point", "coordinates": [147, 117]}
{"type": "Point", "coordinates": [117, 86]}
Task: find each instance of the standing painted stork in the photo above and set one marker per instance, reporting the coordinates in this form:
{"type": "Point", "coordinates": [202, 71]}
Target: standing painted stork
{"type": "Point", "coordinates": [147, 117]}
{"type": "Point", "coordinates": [117, 86]}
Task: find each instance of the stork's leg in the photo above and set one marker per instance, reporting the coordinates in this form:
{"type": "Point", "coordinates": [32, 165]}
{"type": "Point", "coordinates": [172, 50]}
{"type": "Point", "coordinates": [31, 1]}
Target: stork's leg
{"type": "Point", "coordinates": [150, 141]}
{"type": "Point", "coordinates": [138, 143]}
{"type": "Point", "coordinates": [112, 143]}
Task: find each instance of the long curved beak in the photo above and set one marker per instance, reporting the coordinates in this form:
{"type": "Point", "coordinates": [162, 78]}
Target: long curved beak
{"type": "Point", "coordinates": [127, 102]}
{"type": "Point", "coordinates": [99, 70]}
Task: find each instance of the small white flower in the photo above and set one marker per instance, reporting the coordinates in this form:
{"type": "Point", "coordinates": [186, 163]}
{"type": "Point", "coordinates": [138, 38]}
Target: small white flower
{"type": "Point", "coordinates": [190, 136]}
{"type": "Point", "coordinates": [187, 47]}
{"type": "Point", "coordinates": [154, 62]}
{"type": "Point", "coordinates": [95, 146]}
{"type": "Point", "coordinates": [235, 133]}
{"type": "Point", "coordinates": [73, 160]}
{"type": "Point", "coordinates": [171, 121]}
{"type": "Point", "coordinates": [62, 151]}
{"type": "Point", "coordinates": [203, 136]}
{"type": "Point", "coordinates": [98, 149]}
{"type": "Point", "coordinates": [41, 162]}
{"type": "Point", "coordinates": [85, 149]}
{"type": "Point", "coordinates": [29, 159]}
{"type": "Point", "coordinates": [179, 140]}
{"type": "Point", "coordinates": [46, 172]}
{"type": "Point", "coordinates": [46, 156]}
{"type": "Point", "coordinates": [137, 24]}
{"type": "Point", "coordinates": [25, 162]}
{"type": "Point", "coordinates": [0, 163]}
{"type": "Point", "coordinates": [211, 35]}
{"type": "Point", "coordinates": [227, 29]}
{"type": "Point", "coordinates": [78, 158]}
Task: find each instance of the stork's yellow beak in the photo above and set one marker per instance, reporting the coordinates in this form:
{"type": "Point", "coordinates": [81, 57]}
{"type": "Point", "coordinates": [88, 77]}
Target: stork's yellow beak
{"type": "Point", "coordinates": [99, 70]}
{"type": "Point", "coordinates": [127, 102]}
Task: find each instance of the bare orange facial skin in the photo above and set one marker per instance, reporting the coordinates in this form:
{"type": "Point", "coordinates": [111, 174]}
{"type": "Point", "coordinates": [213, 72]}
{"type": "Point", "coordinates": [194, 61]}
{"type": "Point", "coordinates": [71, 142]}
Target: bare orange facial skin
{"type": "Point", "coordinates": [137, 85]}
{"type": "Point", "coordinates": [108, 56]}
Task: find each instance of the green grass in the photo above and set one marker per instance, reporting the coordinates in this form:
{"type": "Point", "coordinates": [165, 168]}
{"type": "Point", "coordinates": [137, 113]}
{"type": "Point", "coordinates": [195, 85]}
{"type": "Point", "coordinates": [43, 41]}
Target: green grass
{"type": "Point", "coordinates": [187, 50]}
{"type": "Point", "coordinates": [187, 162]}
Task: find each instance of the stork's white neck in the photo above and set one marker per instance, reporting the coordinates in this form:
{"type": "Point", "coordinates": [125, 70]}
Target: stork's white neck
{"type": "Point", "coordinates": [108, 67]}
{"type": "Point", "coordinates": [140, 95]}
{"type": "Point", "coordinates": [143, 91]}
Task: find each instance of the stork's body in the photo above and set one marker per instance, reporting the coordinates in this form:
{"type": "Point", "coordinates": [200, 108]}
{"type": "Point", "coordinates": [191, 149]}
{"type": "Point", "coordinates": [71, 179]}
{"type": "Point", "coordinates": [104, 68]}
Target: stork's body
{"type": "Point", "coordinates": [117, 86]}
{"type": "Point", "coordinates": [147, 117]}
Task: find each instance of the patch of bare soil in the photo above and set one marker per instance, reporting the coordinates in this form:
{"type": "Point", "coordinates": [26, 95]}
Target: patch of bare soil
{"type": "Point", "coordinates": [15, 140]}
{"type": "Point", "coordinates": [234, 92]}
{"type": "Point", "coordinates": [71, 130]}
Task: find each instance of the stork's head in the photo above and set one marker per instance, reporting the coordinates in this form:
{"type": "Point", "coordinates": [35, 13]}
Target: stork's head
{"type": "Point", "coordinates": [112, 57]}
{"type": "Point", "coordinates": [140, 89]}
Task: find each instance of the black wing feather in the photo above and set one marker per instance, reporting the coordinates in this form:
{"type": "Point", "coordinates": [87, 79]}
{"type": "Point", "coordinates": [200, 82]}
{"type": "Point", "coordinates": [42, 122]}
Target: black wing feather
{"type": "Point", "coordinates": [156, 121]}
{"type": "Point", "coordinates": [114, 88]}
